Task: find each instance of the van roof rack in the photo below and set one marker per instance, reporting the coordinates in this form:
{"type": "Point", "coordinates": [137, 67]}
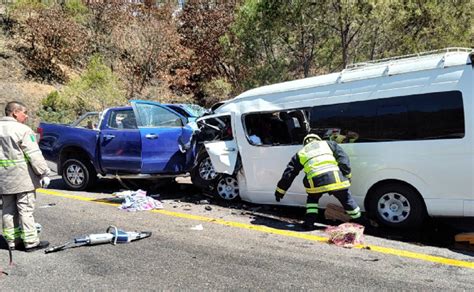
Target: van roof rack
{"type": "Point", "coordinates": [396, 58]}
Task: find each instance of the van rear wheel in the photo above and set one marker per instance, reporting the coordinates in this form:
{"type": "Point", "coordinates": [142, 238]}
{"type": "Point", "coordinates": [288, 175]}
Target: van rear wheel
{"type": "Point", "coordinates": [397, 205]}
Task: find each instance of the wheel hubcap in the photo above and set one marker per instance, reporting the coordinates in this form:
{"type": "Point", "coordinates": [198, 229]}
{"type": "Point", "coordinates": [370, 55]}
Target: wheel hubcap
{"type": "Point", "coordinates": [393, 207]}
{"type": "Point", "coordinates": [75, 174]}
{"type": "Point", "coordinates": [206, 170]}
{"type": "Point", "coordinates": [228, 188]}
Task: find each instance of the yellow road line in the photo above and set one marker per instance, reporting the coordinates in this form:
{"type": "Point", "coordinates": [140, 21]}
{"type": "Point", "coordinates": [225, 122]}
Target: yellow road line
{"type": "Point", "coordinates": [380, 249]}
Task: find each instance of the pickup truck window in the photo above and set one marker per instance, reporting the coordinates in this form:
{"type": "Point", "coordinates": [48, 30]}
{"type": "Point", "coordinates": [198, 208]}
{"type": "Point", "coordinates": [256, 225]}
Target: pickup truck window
{"type": "Point", "coordinates": [122, 119]}
{"type": "Point", "coordinates": [156, 116]}
{"type": "Point", "coordinates": [88, 121]}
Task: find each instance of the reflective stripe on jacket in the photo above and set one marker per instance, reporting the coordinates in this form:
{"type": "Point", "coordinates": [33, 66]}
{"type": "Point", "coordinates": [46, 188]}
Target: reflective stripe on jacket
{"type": "Point", "coordinates": [327, 169]}
{"type": "Point", "coordinates": [21, 161]}
{"type": "Point", "coordinates": [317, 158]}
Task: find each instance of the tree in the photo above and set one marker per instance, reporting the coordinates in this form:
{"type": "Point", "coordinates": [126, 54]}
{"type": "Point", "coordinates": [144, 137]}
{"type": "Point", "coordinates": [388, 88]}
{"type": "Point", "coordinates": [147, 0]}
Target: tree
{"type": "Point", "coordinates": [279, 40]}
{"type": "Point", "coordinates": [48, 39]}
{"type": "Point", "coordinates": [94, 90]}
{"type": "Point", "coordinates": [206, 72]}
{"type": "Point", "coordinates": [274, 41]}
{"type": "Point", "coordinates": [147, 44]}
{"type": "Point", "coordinates": [347, 21]}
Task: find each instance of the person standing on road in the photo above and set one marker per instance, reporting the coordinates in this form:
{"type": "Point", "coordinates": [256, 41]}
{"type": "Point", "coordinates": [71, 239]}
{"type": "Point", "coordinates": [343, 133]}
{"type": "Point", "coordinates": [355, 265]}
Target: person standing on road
{"type": "Point", "coordinates": [328, 170]}
{"type": "Point", "coordinates": [22, 170]}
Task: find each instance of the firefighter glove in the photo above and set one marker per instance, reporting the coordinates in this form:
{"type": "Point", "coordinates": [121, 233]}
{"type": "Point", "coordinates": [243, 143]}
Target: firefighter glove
{"type": "Point", "coordinates": [278, 196]}
{"type": "Point", "coordinates": [44, 181]}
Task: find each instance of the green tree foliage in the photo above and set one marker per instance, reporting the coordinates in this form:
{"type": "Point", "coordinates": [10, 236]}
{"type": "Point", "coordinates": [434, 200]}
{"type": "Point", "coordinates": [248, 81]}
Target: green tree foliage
{"type": "Point", "coordinates": [96, 89]}
{"type": "Point", "coordinates": [429, 25]}
{"type": "Point", "coordinates": [77, 10]}
{"type": "Point", "coordinates": [213, 50]}
{"type": "Point", "coordinates": [283, 40]}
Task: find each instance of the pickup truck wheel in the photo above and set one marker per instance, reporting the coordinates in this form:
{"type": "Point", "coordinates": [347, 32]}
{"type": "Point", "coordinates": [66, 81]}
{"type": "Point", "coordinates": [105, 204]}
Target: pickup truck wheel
{"type": "Point", "coordinates": [203, 174]}
{"type": "Point", "coordinates": [397, 205]}
{"type": "Point", "coordinates": [227, 188]}
{"type": "Point", "coordinates": [78, 174]}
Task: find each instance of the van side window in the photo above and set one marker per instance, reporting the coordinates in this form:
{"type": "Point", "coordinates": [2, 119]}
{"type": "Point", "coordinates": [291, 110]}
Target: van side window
{"type": "Point", "coordinates": [437, 115]}
{"type": "Point", "coordinates": [277, 128]}
{"type": "Point", "coordinates": [440, 116]}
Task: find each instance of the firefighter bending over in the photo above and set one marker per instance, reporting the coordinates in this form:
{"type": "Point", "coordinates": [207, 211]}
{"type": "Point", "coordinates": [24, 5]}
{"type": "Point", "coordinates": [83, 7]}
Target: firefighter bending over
{"type": "Point", "coordinates": [327, 170]}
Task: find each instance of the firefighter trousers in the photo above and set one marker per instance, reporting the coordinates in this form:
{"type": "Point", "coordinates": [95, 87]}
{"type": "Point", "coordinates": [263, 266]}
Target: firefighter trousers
{"type": "Point", "coordinates": [345, 198]}
{"type": "Point", "coordinates": [18, 221]}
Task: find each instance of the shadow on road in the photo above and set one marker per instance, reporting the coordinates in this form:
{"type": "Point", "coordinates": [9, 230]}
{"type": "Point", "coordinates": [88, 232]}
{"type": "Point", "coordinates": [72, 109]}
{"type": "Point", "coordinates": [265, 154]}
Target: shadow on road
{"type": "Point", "coordinates": [437, 232]}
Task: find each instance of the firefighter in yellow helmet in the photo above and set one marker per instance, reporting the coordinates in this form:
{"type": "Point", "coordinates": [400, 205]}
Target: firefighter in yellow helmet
{"type": "Point", "coordinates": [327, 170]}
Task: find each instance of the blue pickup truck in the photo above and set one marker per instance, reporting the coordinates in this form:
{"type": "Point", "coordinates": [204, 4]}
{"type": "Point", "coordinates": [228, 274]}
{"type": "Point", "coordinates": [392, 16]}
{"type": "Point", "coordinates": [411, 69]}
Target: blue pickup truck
{"type": "Point", "coordinates": [146, 140]}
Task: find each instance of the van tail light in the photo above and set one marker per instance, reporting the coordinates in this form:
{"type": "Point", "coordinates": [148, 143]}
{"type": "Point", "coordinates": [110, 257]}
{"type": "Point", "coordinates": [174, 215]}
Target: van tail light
{"type": "Point", "coordinates": [39, 131]}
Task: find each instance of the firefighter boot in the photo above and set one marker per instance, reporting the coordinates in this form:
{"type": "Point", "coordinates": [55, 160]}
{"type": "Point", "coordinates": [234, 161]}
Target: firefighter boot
{"type": "Point", "coordinates": [309, 220]}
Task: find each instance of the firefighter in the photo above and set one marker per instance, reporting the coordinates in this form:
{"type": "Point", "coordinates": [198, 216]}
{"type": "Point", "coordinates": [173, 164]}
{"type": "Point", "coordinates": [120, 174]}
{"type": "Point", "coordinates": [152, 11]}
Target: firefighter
{"type": "Point", "coordinates": [22, 170]}
{"type": "Point", "coordinates": [327, 170]}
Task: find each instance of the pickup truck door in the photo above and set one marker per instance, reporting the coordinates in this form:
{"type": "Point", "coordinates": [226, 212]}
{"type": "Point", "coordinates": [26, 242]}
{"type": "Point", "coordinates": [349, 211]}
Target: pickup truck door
{"type": "Point", "coordinates": [120, 142]}
{"type": "Point", "coordinates": [160, 130]}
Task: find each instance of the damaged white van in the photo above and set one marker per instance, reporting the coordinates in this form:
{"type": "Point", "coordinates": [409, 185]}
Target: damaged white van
{"type": "Point", "coordinates": [406, 123]}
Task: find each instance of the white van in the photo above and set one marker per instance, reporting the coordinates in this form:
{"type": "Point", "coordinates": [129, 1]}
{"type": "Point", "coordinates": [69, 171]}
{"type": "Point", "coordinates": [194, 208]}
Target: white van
{"type": "Point", "coordinates": [406, 123]}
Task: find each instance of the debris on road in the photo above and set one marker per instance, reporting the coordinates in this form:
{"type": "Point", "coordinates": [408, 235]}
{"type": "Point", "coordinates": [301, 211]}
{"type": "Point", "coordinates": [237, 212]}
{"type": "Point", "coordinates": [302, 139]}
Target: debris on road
{"type": "Point", "coordinates": [273, 217]}
{"type": "Point", "coordinates": [346, 234]}
{"type": "Point", "coordinates": [197, 227]}
{"type": "Point", "coordinates": [335, 212]}
{"type": "Point", "coordinates": [137, 201]}
{"type": "Point", "coordinates": [208, 208]}
{"type": "Point", "coordinates": [465, 237]}
{"type": "Point", "coordinates": [113, 235]}
{"type": "Point", "coordinates": [47, 205]}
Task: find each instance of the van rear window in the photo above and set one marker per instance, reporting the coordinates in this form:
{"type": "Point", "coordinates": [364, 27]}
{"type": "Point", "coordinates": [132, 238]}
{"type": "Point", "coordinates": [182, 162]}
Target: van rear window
{"type": "Point", "coordinates": [437, 115]}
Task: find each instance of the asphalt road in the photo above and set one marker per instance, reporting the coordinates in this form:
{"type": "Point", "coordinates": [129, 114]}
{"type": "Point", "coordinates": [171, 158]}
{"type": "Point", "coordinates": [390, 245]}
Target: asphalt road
{"type": "Point", "coordinates": [232, 251]}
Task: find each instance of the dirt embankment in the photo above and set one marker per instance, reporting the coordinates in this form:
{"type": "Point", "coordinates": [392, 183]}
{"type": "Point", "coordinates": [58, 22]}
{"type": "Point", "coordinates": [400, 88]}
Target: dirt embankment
{"type": "Point", "coordinates": [14, 85]}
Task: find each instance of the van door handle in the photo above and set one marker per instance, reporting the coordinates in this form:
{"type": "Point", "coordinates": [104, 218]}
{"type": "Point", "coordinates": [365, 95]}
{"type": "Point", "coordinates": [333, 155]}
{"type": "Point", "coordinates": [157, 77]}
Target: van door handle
{"type": "Point", "coordinates": [109, 136]}
{"type": "Point", "coordinates": [229, 149]}
{"type": "Point", "coordinates": [151, 136]}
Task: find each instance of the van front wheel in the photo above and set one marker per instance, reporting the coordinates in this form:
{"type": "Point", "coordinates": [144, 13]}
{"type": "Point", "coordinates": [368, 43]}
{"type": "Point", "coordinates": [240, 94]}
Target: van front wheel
{"type": "Point", "coordinates": [227, 188]}
{"type": "Point", "coordinates": [203, 173]}
{"type": "Point", "coordinates": [397, 205]}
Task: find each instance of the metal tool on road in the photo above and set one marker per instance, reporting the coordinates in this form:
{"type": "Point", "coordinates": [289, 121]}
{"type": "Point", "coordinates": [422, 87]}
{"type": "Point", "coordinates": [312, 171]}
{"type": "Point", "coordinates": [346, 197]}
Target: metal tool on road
{"type": "Point", "coordinates": [112, 235]}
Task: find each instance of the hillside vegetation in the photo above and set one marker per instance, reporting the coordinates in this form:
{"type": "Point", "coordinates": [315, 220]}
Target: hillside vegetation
{"type": "Point", "coordinates": [65, 59]}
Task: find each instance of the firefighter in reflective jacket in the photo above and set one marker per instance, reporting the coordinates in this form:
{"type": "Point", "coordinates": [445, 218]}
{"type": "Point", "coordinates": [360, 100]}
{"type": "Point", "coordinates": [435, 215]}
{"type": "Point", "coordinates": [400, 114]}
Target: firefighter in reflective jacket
{"type": "Point", "coordinates": [327, 170]}
{"type": "Point", "coordinates": [22, 170]}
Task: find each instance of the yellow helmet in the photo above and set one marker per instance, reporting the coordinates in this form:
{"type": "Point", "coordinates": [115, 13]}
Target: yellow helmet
{"type": "Point", "coordinates": [310, 138]}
